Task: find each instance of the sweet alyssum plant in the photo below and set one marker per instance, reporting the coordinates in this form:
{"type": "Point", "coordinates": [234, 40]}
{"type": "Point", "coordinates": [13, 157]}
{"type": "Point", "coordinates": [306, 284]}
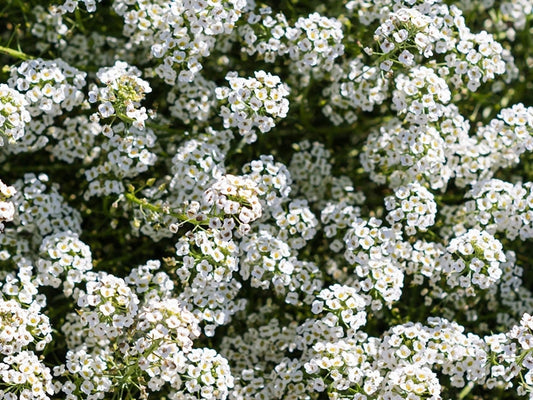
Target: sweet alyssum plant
{"type": "Point", "coordinates": [231, 199]}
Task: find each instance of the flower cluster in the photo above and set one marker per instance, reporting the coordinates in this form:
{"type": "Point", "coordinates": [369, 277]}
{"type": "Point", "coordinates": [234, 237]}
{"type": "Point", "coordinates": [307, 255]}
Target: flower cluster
{"type": "Point", "coordinates": [153, 332]}
{"type": "Point", "coordinates": [266, 260]}
{"type": "Point", "coordinates": [22, 327]}
{"type": "Point", "coordinates": [421, 96]}
{"type": "Point", "coordinates": [147, 280]}
{"type": "Point", "coordinates": [351, 363]}
{"type": "Point", "coordinates": [523, 334]}
{"type": "Point", "coordinates": [179, 33]}
{"type": "Point", "coordinates": [422, 155]}
{"type": "Point", "coordinates": [298, 225]}
{"type": "Point", "coordinates": [107, 306]}
{"type": "Point", "coordinates": [375, 254]}
{"type": "Point", "coordinates": [64, 260]}
{"type": "Point", "coordinates": [472, 259]}
{"type": "Point", "coordinates": [193, 101]}
{"type": "Point", "coordinates": [121, 95]}
{"type": "Point", "coordinates": [25, 330]}
{"type": "Point", "coordinates": [421, 30]}
{"type": "Point", "coordinates": [48, 86]}
{"type": "Point", "coordinates": [411, 30]}
{"type": "Point", "coordinates": [495, 206]}
{"type": "Point", "coordinates": [197, 164]}
{"type": "Point", "coordinates": [204, 265]}
{"type": "Point", "coordinates": [235, 195]}
{"type": "Point", "coordinates": [504, 139]}
{"type": "Point", "coordinates": [431, 153]}
{"type": "Point", "coordinates": [7, 209]}
{"type": "Point", "coordinates": [253, 103]}
{"type": "Point", "coordinates": [413, 205]}
{"type": "Point", "coordinates": [343, 304]}
{"type": "Point", "coordinates": [374, 245]}
{"type": "Point", "coordinates": [313, 42]}
{"type": "Point", "coordinates": [47, 28]}
{"type": "Point", "coordinates": [25, 376]}
{"type": "Point", "coordinates": [74, 140]}
{"type": "Point", "coordinates": [40, 208]}
{"type": "Point", "coordinates": [414, 381]}
{"type": "Point", "coordinates": [273, 181]}
{"type": "Point", "coordinates": [13, 114]}
{"type": "Point", "coordinates": [354, 87]}
{"type": "Point", "coordinates": [126, 152]}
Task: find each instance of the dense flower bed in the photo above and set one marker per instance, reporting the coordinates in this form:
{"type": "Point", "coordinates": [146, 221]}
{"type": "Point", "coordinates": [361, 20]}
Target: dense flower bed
{"type": "Point", "coordinates": [236, 199]}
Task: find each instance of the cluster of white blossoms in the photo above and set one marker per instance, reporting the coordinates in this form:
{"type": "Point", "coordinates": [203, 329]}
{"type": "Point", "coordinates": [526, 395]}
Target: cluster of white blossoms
{"type": "Point", "coordinates": [427, 30]}
{"type": "Point", "coordinates": [374, 253]}
{"type": "Point", "coordinates": [13, 114]}
{"type": "Point", "coordinates": [412, 205]}
{"type": "Point", "coordinates": [107, 306]}
{"type": "Point", "coordinates": [50, 88]}
{"type": "Point", "coordinates": [234, 195]}
{"type": "Point", "coordinates": [154, 244]}
{"type": "Point", "coordinates": [421, 96]}
{"type": "Point", "coordinates": [298, 224]}
{"type": "Point", "coordinates": [399, 155]}
{"type": "Point", "coordinates": [311, 43]}
{"type": "Point", "coordinates": [204, 266]}
{"type": "Point", "coordinates": [523, 334]}
{"type": "Point", "coordinates": [504, 139]}
{"type": "Point", "coordinates": [74, 140]}
{"type": "Point", "coordinates": [495, 206]}
{"type": "Point", "coordinates": [64, 260]}
{"type": "Point", "coordinates": [431, 153]}
{"type": "Point", "coordinates": [7, 209]}
{"type": "Point", "coordinates": [473, 259]}
{"type": "Point", "coordinates": [178, 33]}
{"type": "Point", "coordinates": [193, 101]}
{"type": "Point", "coordinates": [126, 152]}
{"type": "Point", "coordinates": [40, 208]}
{"type": "Point", "coordinates": [355, 87]}
{"type": "Point", "coordinates": [273, 181]}
{"type": "Point", "coordinates": [254, 103]}
{"type": "Point", "coordinates": [22, 327]}
{"type": "Point", "coordinates": [133, 322]}
{"type": "Point", "coordinates": [25, 332]}
{"type": "Point", "coordinates": [121, 95]}
{"type": "Point", "coordinates": [266, 260]}
{"type": "Point", "coordinates": [198, 163]}
{"type": "Point", "coordinates": [25, 376]}
{"type": "Point", "coordinates": [343, 305]}
{"type": "Point", "coordinates": [411, 29]}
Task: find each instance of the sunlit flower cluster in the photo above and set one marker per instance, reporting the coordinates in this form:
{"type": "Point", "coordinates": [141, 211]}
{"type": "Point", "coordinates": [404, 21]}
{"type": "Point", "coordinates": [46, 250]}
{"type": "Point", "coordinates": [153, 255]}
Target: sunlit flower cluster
{"type": "Point", "coordinates": [7, 209]}
{"type": "Point", "coordinates": [121, 95]}
{"type": "Point", "coordinates": [243, 199]}
{"type": "Point", "coordinates": [254, 103]}
{"type": "Point", "coordinates": [178, 33]}
{"type": "Point", "coordinates": [13, 114]}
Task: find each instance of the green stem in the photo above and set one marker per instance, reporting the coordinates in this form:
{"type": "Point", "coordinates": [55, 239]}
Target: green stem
{"type": "Point", "coordinates": [79, 21]}
{"type": "Point", "coordinates": [304, 114]}
{"type": "Point", "coordinates": [467, 389]}
{"type": "Point", "coordinates": [15, 53]}
{"type": "Point", "coordinates": [169, 132]}
{"type": "Point", "coordinates": [158, 209]}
